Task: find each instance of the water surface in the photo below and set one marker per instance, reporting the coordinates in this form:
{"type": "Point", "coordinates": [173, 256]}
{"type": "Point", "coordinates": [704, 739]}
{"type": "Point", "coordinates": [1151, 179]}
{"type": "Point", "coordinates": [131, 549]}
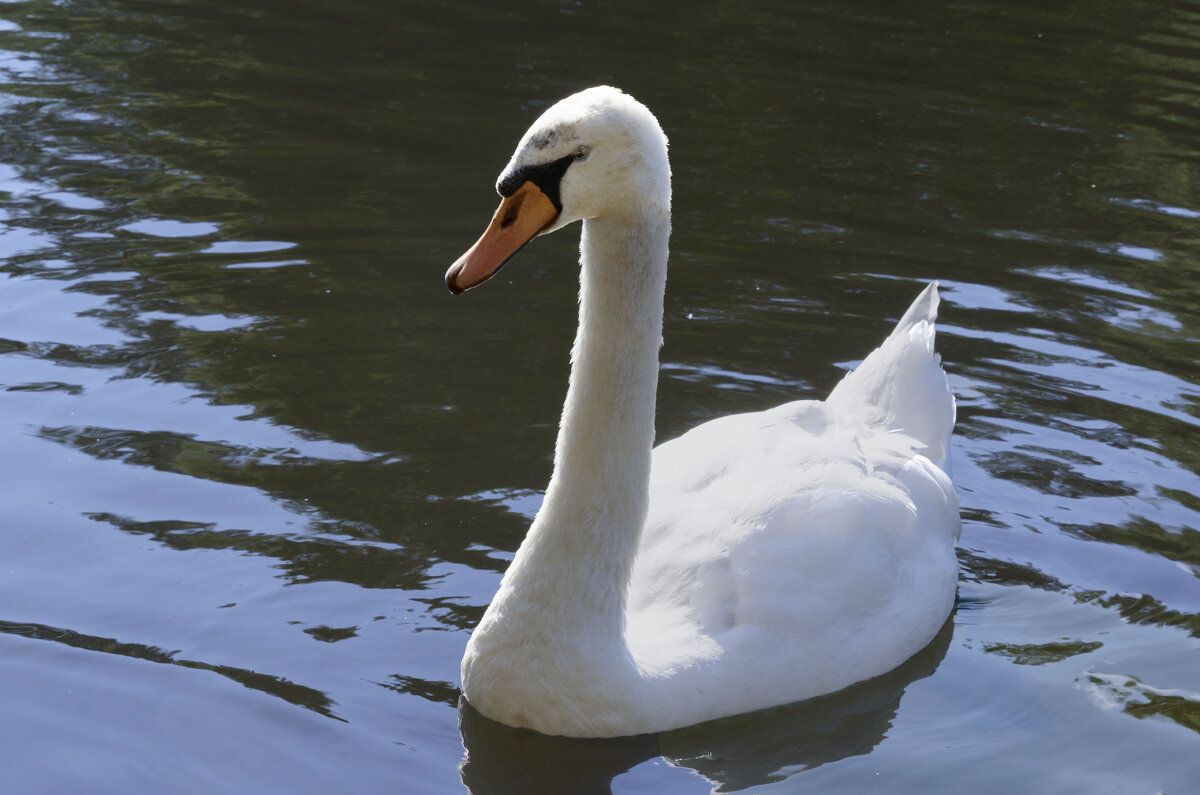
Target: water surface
{"type": "Point", "coordinates": [263, 474]}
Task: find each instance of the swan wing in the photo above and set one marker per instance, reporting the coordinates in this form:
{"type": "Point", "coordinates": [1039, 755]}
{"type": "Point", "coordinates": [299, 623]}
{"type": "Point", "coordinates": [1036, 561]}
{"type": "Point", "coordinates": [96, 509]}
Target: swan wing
{"type": "Point", "coordinates": [808, 546]}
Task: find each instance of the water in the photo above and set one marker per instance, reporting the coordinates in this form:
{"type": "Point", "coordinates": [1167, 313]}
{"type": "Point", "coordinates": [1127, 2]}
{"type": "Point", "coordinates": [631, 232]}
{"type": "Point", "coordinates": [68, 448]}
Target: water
{"type": "Point", "coordinates": [262, 473]}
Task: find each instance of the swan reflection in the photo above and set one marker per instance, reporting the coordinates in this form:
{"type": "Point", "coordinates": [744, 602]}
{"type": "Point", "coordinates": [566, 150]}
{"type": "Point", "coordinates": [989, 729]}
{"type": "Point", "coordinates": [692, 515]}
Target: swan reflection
{"type": "Point", "coordinates": [731, 753]}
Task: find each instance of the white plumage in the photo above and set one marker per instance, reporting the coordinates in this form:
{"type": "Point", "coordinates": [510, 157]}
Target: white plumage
{"type": "Point", "coordinates": [758, 559]}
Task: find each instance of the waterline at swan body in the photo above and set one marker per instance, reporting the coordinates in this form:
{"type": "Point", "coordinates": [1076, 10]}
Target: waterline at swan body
{"type": "Point", "coordinates": [758, 559]}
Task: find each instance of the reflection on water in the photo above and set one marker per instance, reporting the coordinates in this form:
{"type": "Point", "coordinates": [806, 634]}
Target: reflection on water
{"type": "Point", "coordinates": [281, 688]}
{"type": "Point", "coordinates": [248, 434]}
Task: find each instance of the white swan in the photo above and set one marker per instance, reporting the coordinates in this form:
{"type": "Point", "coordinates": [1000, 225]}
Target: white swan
{"type": "Point", "coordinates": [757, 560]}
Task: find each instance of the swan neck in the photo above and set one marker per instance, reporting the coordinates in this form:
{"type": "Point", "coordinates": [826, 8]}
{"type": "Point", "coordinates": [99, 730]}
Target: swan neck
{"type": "Point", "coordinates": [565, 592]}
{"type": "Point", "coordinates": [607, 429]}
{"type": "Point", "coordinates": [588, 529]}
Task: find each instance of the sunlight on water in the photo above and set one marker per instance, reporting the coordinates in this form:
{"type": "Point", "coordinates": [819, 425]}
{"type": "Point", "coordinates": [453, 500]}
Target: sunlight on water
{"type": "Point", "coordinates": [263, 474]}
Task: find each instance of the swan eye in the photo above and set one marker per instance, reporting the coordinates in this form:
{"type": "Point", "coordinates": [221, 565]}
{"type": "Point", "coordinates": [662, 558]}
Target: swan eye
{"type": "Point", "coordinates": [581, 152]}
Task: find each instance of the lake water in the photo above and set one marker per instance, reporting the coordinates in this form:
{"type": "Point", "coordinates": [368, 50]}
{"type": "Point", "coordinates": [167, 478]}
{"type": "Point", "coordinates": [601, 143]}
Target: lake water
{"type": "Point", "coordinates": [262, 473]}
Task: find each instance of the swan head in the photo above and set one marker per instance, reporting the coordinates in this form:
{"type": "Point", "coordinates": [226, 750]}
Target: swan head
{"type": "Point", "coordinates": [598, 153]}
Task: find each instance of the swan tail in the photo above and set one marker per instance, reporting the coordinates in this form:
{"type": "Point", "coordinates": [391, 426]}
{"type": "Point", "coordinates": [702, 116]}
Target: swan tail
{"type": "Point", "coordinates": [901, 384]}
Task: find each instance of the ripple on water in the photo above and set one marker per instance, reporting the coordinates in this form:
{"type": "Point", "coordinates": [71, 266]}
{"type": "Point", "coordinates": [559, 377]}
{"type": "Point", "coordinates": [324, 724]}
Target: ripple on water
{"type": "Point", "coordinates": [238, 512]}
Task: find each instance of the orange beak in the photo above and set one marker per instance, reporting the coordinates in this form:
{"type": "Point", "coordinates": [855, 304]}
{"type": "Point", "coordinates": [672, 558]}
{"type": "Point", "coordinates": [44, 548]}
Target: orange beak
{"type": "Point", "coordinates": [518, 220]}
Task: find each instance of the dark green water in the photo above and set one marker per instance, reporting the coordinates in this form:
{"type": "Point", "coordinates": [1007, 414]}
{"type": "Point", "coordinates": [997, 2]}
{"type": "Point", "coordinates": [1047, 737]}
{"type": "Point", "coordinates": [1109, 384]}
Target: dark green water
{"type": "Point", "coordinates": [261, 473]}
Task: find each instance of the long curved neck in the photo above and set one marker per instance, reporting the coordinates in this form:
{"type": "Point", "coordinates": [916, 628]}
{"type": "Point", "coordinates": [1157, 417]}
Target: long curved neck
{"type": "Point", "coordinates": [580, 549]}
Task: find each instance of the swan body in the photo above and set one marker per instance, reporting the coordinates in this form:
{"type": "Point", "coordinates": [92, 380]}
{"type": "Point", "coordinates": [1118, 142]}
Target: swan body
{"type": "Point", "coordinates": [758, 559]}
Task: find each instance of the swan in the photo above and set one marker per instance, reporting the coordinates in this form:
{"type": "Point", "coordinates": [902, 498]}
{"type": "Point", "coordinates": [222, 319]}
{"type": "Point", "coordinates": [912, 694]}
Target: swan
{"type": "Point", "coordinates": [757, 560]}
